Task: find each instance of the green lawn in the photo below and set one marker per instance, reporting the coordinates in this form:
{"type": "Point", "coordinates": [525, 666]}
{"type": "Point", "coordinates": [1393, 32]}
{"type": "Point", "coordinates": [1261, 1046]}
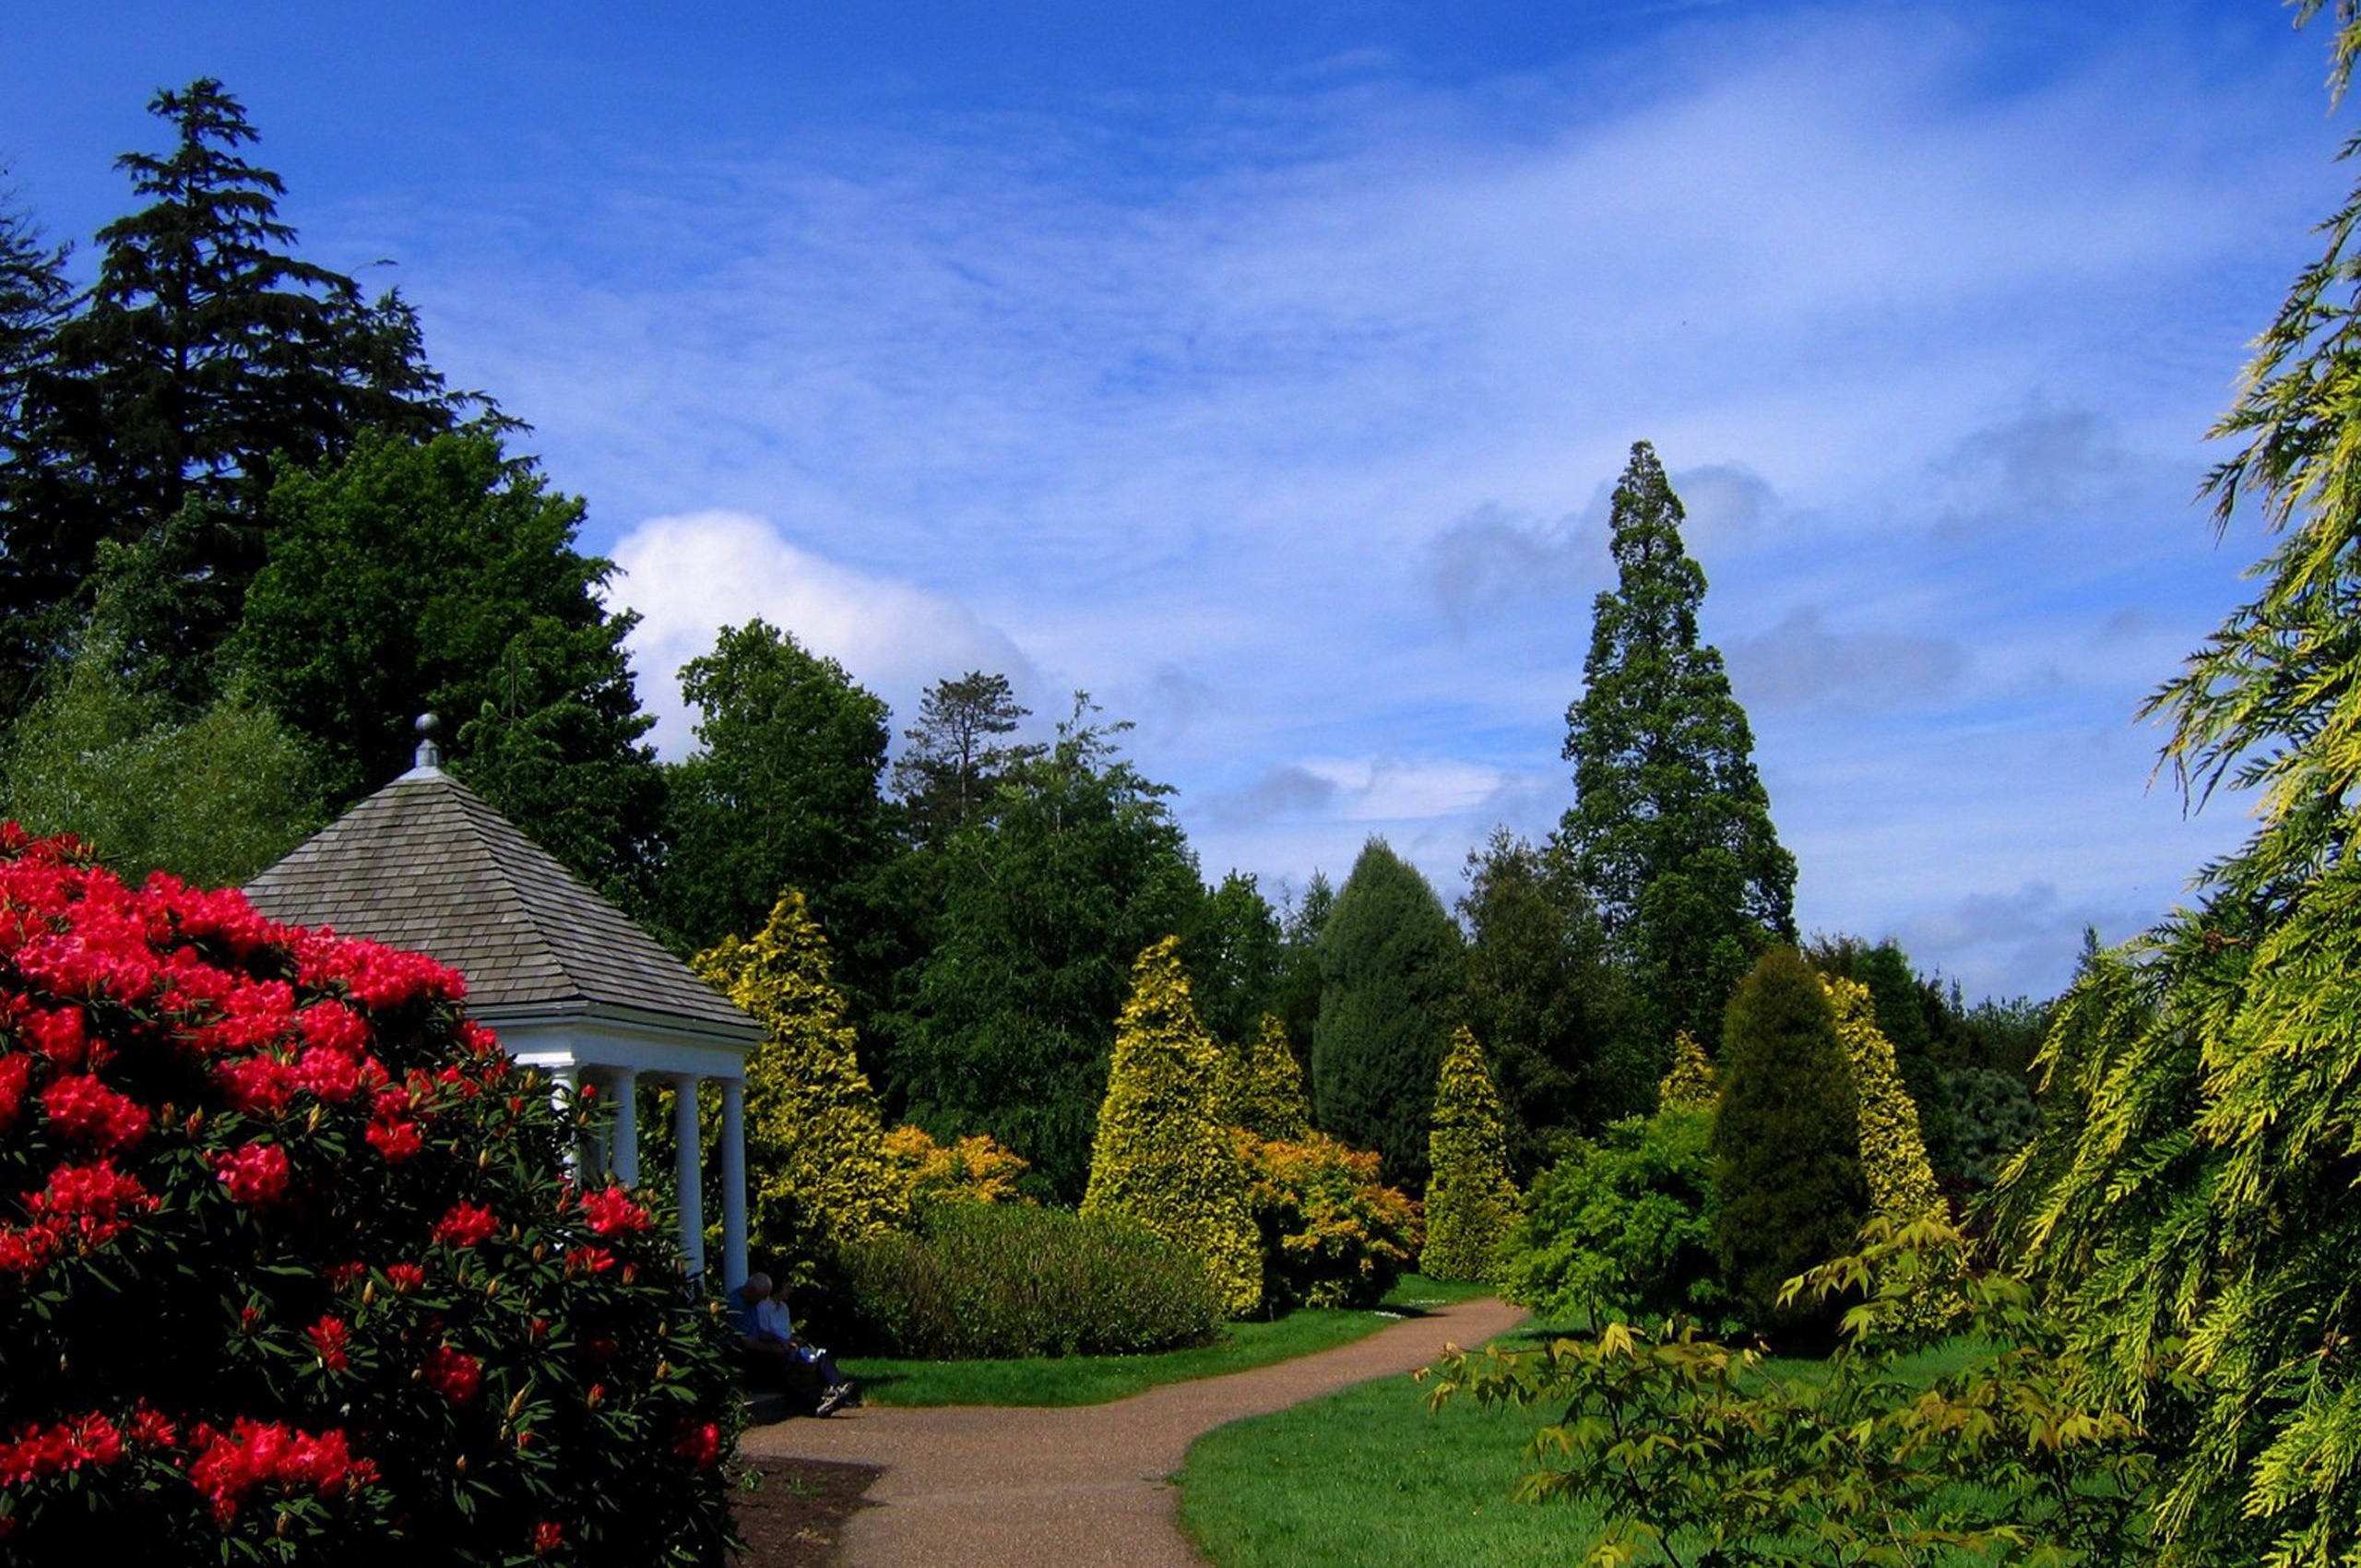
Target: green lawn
{"type": "Point", "coordinates": [1367, 1478]}
{"type": "Point", "coordinates": [1093, 1380]}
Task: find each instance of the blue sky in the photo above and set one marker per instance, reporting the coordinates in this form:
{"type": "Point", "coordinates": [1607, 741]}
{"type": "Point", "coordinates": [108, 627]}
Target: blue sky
{"type": "Point", "coordinates": [1262, 370]}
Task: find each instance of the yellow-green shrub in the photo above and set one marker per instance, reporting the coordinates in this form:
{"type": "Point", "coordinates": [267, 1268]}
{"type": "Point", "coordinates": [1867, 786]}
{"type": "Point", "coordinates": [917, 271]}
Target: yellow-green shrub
{"type": "Point", "coordinates": [1269, 1100]}
{"type": "Point", "coordinates": [1333, 1235]}
{"type": "Point", "coordinates": [1164, 1156]}
{"type": "Point", "coordinates": [817, 1172]}
{"type": "Point", "coordinates": [1692, 1083]}
{"type": "Point", "coordinates": [1470, 1201]}
{"type": "Point", "coordinates": [970, 1170]}
{"type": "Point", "coordinates": [1893, 1154]}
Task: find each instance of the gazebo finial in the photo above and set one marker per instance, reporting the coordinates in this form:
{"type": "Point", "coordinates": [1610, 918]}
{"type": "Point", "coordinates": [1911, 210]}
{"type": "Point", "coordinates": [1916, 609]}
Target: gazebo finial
{"type": "Point", "coordinates": [429, 755]}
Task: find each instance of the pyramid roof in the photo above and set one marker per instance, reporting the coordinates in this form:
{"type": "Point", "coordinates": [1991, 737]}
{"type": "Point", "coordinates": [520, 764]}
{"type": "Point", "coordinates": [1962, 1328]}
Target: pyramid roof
{"type": "Point", "coordinates": [425, 863]}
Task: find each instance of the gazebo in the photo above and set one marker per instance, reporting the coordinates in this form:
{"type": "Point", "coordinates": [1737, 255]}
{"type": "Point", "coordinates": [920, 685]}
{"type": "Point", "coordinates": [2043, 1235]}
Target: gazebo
{"type": "Point", "coordinates": [569, 983]}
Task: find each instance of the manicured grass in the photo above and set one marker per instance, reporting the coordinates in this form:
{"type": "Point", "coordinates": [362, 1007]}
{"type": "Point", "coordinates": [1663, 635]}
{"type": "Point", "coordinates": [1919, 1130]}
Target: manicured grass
{"type": "Point", "coordinates": [1093, 1380]}
{"type": "Point", "coordinates": [1367, 1478]}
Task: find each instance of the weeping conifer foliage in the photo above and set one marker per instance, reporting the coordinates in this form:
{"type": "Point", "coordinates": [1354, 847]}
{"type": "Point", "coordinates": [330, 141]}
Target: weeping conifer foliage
{"type": "Point", "coordinates": [2193, 1196]}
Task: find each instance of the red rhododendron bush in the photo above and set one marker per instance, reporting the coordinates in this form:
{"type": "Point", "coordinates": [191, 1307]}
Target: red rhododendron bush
{"type": "Point", "coordinates": [291, 1269]}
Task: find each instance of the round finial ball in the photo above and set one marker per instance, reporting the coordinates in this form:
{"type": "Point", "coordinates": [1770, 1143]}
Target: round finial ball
{"type": "Point", "coordinates": [428, 726]}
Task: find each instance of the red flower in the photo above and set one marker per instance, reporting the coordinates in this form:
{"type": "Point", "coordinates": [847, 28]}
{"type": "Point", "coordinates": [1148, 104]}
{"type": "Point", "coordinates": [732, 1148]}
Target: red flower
{"type": "Point", "coordinates": [547, 1535]}
{"type": "Point", "coordinates": [610, 1210]}
{"type": "Point", "coordinates": [345, 1275]}
{"type": "Point", "coordinates": [329, 1337]}
{"type": "Point", "coordinates": [40, 1451]}
{"type": "Point", "coordinates": [466, 1225]}
{"type": "Point", "coordinates": [255, 1174]}
{"type": "Point", "coordinates": [88, 1112]}
{"type": "Point", "coordinates": [149, 1428]}
{"type": "Point", "coordinates": [404, 1278]}
{"type": "Point", "coordinates": [16, 1072]}
{"type": "Point", "coordinates": [59, 1035]}
{"type": "Point", "coordinates": [589, 1260]}
{"type": "Point", "coordinates": [258, 1085]}
{"type": "Point", "coordinates": [329, 1072]}
{"type": "Point", "coordinates": [230, 1464]}
{"type": "Point", "coordinates": [700, 1445]}
{"type": "Point", "coordinates": [89, 1203]}
{"type": "Point", "coordinates": [396, 1141]}
{"type": "Point", "coordinates": [454, 1374]}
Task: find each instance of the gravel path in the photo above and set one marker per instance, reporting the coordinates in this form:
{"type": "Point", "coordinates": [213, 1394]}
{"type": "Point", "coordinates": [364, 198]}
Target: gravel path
{"type": "Point", "coordinates": [975, 1487]}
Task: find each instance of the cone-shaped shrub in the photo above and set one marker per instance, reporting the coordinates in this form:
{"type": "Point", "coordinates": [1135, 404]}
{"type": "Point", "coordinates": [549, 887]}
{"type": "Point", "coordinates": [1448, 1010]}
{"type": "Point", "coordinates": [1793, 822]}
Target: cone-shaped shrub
{"type": "Point", "coordinates": [1164, 1156]}
{"type": "Point", "coordinates": [291, 1269]}
{"type": "Point", "coordinates": [1786, 1154]}
{"type": "Point", "coordinates": [1894, 1155]}
{"type": "Point", "coordinates": [1470, 1201]}
{"type": "Point", "coordinates": [815, 1143]}
{"type": "Point", "coordinates": [1270, 1102]}
{"type": "Point", "coordinates": [1691, 1084]}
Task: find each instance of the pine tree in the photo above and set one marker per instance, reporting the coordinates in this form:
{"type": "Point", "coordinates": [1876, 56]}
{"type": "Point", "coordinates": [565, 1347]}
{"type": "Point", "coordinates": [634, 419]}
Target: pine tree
{"type": "Point", "coordinates": [1787, 1142]}
{"type": "Point", "coordinates": [1670, 829]}
{"type": "Point", "coordinates": [1164, 1156]}
{"type": "Point", "coordinates": [1390, 963]}
{"type": "Point", "coordinates": [1691, 1084]}
{"type": "Point", "coordinates": [206, 357]}
{"type": "Point", "coordinates": [1471, 1203]}
{"type": "Point", "coordinates": [1268, 1099]}
{"type": "Point", "coordinates": [33, 298]}
{"type": "Point", "coordinates": [946, 776]}
{"type": "Point", "coordinates": [816, 1163]}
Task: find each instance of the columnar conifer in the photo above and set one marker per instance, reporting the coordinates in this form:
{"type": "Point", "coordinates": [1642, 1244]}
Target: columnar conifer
{"type": "Point", "coordinates": [1787, 1152]}
{"type": "Point", "coordinates": [1894, 1155]}
{"type": "Point", "coordinates": [1470, 1201]}
{"type": "Point", "coordinates": [1692, 1083]}
{"type": "Point", "coordinates": [1269, 1101]}
{"type": "Point", "coordinates": [815, 1158]}
{"type": "Point", "coordinates": [1164, 1157]}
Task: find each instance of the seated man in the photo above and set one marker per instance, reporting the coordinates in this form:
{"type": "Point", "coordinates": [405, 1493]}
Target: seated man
{"type": "Point", "coordinates": [774, 1354]}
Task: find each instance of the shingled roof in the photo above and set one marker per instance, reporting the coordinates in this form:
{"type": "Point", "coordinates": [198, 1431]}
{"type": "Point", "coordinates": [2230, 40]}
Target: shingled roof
{"type": "Point", "coordinates": [424, 864]}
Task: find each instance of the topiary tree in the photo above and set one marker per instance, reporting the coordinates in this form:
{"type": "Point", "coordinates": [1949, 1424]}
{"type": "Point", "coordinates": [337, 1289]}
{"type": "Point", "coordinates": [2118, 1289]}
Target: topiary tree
{"type": "Point", "coordinates": [1786, 1148]}
{"type": "Point", "coordinates": [814, 1138]}
{"type": "Point", "coordinates": [1163, 1157]}
{"type": "Point", "coordinates": [1691, 1084]}
{"type": "Point", "coordinates": [1471, 1201]}
{"type": "Point", "coordinates": [1893, 1157]}
{"type": "Point", "coordinates": [292, 1267]}
{"type": "Point", "coordinates": [1267, 1098]}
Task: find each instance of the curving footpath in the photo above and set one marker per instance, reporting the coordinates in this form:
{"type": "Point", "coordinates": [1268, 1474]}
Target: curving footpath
{"type": "Point", "coordinates": [985, 1487]}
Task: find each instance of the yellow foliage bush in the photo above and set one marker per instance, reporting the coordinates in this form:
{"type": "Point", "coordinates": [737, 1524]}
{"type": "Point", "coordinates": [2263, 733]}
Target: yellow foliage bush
{"type": "Point", "coordinates": [1691, 1084]}
{"type": "Point", "coordinates": [1893, 1153]}
{"type": "Point", "coordinates": [971, 1171]}
{"type": "Point", "coordinates": [817, 1176]}
{"type": "Point", "coordinates": [1471, 1203]}
{"type": "Point", "coordinates": [1164, 1157]}
{"type": "Point", "coordinates": [1333, 1234]}
{"type": "Point", "coordinates": [1269, 1100]}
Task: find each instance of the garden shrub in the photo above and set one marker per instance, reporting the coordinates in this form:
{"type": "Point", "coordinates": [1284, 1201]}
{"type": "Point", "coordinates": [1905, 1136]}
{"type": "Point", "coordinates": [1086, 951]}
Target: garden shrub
{"type": "Point", "coordinates": [1470, 1202]}
{"type": "Point", "coordinates": [967, 1170]}
{"type": "Point", "coordinates": [1787, 1152]}
{"type": "Point", "coordinates": [1893, 1157]}
{"type": "Point", "coordinates": [978, 1280]}
{"type": "Point", "coordinates": [817, 1173]}
{"type": "Point", "coordinates": [1268, 1099]}
{"type": "Point", "coordinates": [1623, 1226]}
{"type": "Point", "coordinates": [1691, 1082]}
{"type": "Point", "coordinates": [1333, 1235]}
{"type": "Point", "coordinates": [1164, 1156]}
{"type": "Point", "coordinates": [292, 1268]}
{"type": "Point", "coordinates": [1995, 1116]}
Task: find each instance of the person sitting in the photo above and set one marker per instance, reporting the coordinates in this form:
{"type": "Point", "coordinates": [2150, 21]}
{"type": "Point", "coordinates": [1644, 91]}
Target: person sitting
{"type": "Point", "coordinates": [775, 1355]}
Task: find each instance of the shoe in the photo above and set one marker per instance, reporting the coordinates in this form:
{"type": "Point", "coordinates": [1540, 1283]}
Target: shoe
{"type": "Point", "coordinates": [832, 1399]}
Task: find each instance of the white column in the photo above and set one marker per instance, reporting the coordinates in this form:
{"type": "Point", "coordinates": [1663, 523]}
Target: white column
{"type": "Point", "coordinates": [687, 1170]}
{"type": "Point", "coordinates": [733, 1184]}
{"type": "Point", "coordinates": [566, 1082]}
{"type": "Point", "coordinates": [623, 1161]}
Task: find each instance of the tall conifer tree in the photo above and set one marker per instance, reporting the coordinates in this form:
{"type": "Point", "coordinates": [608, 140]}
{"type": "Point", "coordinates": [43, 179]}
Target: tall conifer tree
{"type": "Point", "coordinates": [1470, 1203]}
{"type": "Point", "coordinates": [1670, 829]}
{"type": "Point", "coordinates": [1389, 961]}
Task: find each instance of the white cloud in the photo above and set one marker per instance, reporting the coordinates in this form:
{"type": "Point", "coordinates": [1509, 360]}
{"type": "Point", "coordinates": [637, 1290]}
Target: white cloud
{"type": "Point", "coordinates": [691, 574]}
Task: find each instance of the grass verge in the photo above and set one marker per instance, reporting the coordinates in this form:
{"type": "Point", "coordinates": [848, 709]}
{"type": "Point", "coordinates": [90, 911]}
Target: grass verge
{"type": "Point", "coordinates": [1094, 1380]}
{"type": "Point", "coordinates": [1367, 1478]}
